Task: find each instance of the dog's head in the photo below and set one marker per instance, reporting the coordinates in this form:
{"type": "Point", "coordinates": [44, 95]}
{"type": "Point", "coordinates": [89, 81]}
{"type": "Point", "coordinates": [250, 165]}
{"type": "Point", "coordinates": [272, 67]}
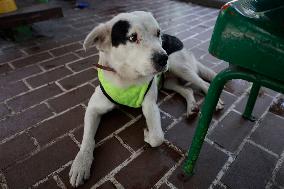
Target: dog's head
{"type": "Point", "coordinates": [131, 43]}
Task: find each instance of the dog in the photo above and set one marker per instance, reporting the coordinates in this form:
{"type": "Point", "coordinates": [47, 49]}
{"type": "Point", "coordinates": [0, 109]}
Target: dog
{"type": "Point", "coordinates": [132, 52]}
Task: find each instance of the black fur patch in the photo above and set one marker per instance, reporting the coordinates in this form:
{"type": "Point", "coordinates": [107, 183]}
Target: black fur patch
{"type": "Point", "coordinates": [119, 33]}
{"type": "Point", "coordinates": [171, 44]}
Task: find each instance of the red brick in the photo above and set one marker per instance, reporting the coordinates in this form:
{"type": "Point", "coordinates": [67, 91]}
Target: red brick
{"type": "Point", "coordinates": [268, 92]}
{"type": "Point", "coordinates": [208, 57]}
{"type": "Point", "coordinates": [88, 52]}
{"type": "Point", "coordinates": [5, 68]}
{"type": "Point", "coordinates": [37, 167]}
{"type": "Point", "coordinates": [49, 184]}
{"type": "Point", "coordinates": [262, 103]}
{"type": "Point", "coordinates": [237, 86]}
{"type": "Point", "coordinates": [134, 134]}
{"type": "Point", "coordinates": [107, 125]}
{"type": "Point", "coordinates": [78, 79]}
{"type": "Point", "coordinates": [15, 149]}
{"type": "Point", "coordinates": [34, 97]}
{"type": "Point", "coordinates": [59, 125]}
{"type": "Point", "coordinates": [83, 23]}
{"type": "Point", "coordinates": [229, 135]}
{"type": "Point", "coordinates": [10, 55]}
{"type": "Point", "coordinates": [175, 106]}
{"type": "Point", "coordinates": [185, 34]}
{"type": "Point", "coordinates": [207, 63]}
{"type": "Point", "coordinates": [111, 152]}
{"type": "Point", "coordinates": [252, 168]}
{"type": "Point", "coordinates": [148, 168]}
{"type": "Point", "coordinates": [52, 44]}
{"type": "Point", "coordinates": [31, 60]}
{"type": "Point", "coordinates": [186, 18]}
{"type": "Point", "coordinates": [176, 29]}
{"type": "Point", "coordinates": [204, 45]}
{"type": "Point", "coordinates": [96, 83]}
{"type": "Point", "coordinates": [204, 35]}
{"type": "Point", "coordinates": [3, 110]}
{"type": "Point", "coordinates": [208, 165]}
{"type": "Point", "coordinates": [13, 89]}
{"type": "Point", "coordinates": [220, 67]}
{"type": "Point", "coordinates": [71, 98]}
{"type": "Point", "coordinates": [19, 122]}
{"type": "Point", "coordinates": [132, 111]}
{"type": "Point", "coordinates": [66, 49]}
{"type": "Point", "coordinates": [270, 133]}
{"type": "Point", "coordinates": [198, 53]}
{"type": "Point", "coordinates": [190, 43]}
{"type": "Point", "coordinates": [48, 77]}
{"type": "Point", "coordinates": [182, 133]}
{"type": "Point", "coordinates": [42, 47]}
{"type": "Point", "coordinates": [161, 96]}
{"type": "Point", "coordinates": [107, 185]}
{"type": "Point", "coordinates": [19, 74]}
{"type": "Point", "coordinates": [58, 61]}
{"type": "Point", "coordinates": [84, 63]}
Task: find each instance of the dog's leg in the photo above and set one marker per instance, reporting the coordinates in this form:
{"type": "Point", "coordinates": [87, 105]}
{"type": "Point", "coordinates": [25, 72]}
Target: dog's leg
{"type": "Point", "coordinates": [80, 168]}
{"type": "Point", "coordinates": [187, 93]}
{"type": "Point", "coordinates": [206, 73]}
{"type": "Point", "coordinates": [154, 135]}
{"type": "Point", "coordinates": [194, 78]}
{"type": "Point", "coordinates": [204, 86]}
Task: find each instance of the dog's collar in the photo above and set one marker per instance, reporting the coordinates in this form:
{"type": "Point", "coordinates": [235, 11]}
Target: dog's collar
{"type": "Point", "coordinates": [104, 67]}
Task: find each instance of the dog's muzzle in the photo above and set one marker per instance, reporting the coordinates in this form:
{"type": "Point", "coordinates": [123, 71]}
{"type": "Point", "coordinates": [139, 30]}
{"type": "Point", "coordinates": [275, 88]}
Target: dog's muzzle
{"type": "Point", "coordinates": [160, 60]}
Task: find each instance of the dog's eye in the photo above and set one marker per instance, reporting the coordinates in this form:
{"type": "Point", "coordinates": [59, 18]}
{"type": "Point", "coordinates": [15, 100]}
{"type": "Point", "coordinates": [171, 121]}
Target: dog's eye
{"type": "Point", "coordinates": [133, 37]}
{"type": "Point", "coordinates": [158, 33]}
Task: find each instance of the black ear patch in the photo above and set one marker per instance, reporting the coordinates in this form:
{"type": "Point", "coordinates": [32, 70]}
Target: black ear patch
{"type": "Point", "coordinates": [119, 32]}
{"type": "Point", "coordinates": [171, 44]}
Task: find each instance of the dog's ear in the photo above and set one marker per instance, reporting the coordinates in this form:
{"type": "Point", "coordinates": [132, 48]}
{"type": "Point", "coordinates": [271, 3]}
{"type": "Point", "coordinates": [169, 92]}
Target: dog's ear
{"type": "Point", "coordinates": [99, 36]}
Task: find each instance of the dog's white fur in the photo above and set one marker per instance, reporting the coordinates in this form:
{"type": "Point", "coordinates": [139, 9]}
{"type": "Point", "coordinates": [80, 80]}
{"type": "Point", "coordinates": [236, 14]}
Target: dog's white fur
{"type": "Point", "coordinates": [133, 65]}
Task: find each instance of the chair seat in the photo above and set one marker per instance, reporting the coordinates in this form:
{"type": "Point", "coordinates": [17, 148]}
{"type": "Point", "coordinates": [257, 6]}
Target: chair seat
{"type": "Point", "coordinates": [250, 34]}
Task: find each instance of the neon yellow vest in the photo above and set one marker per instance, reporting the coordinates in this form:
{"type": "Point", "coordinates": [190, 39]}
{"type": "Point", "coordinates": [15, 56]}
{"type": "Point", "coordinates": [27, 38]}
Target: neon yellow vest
{"type": "Point", "coordinates": [131, 96]}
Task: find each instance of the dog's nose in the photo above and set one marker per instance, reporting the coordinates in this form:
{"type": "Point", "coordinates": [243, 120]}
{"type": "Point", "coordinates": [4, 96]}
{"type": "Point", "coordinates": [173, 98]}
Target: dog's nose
{"type": "Point", "coordinates": [160, 59]}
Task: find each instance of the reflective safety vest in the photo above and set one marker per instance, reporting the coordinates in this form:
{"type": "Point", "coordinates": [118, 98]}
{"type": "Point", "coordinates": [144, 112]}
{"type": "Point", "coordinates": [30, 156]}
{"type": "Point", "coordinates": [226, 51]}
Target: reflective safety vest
{"type": "Point", "coordinates": [131, 96]}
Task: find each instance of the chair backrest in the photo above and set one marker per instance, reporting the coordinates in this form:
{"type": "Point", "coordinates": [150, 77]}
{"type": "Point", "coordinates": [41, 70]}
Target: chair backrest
{"type": "Point", "coordinates": [260, 5]}
{"type": "Point", "coordinates": [268, 13]}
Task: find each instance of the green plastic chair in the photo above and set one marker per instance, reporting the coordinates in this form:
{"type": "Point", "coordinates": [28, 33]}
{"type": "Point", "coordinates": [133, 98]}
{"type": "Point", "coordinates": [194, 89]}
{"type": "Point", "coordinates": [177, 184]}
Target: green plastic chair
{"type": "Point", "coordinates": [249, 34]}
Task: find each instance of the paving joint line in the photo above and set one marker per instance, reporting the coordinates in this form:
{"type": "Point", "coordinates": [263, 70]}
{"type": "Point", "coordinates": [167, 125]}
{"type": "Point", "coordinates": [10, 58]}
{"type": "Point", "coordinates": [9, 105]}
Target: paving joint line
{"type": "Point", "coordinates": [262, 148]}
{"type": "Point", "coordinates": [59, 182]}
{"type": "Point", "coordinates": [234, 156]}
{"type": "Point", "coordinates": [125, 145]}
{"type": "Point", "coordinates": [118, 168]}
{"type": "Point", "coordinates": [168, 173]}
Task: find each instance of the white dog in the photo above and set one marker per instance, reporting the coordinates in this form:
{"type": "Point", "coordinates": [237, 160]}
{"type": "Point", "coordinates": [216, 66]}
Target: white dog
{"type": "Point", "coordinates": [132, 52]}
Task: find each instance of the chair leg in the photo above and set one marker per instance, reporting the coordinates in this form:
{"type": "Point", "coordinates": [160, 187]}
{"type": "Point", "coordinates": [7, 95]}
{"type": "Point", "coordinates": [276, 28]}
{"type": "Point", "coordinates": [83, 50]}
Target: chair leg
{"type": "Point", "coordinates": [210, 103]}
{"type": "Point", "coordinates": [251, 102]}
{"type": "Point", "coordinates": [207, 111]}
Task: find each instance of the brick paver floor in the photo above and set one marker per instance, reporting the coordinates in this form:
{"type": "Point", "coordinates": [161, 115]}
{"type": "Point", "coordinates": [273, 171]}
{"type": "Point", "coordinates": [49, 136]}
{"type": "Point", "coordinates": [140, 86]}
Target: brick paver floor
{"type": "Point", "coordinates": [45, 85]}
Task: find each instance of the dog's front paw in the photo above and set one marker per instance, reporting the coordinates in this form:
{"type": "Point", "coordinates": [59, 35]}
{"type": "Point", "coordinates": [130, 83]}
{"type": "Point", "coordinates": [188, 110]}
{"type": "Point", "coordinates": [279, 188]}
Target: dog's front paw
{"type": "Point", "coordinates": [220, 105]}
{"type": "Point", "coordinates": [154, 139]}
{"type": "Point", "coordinates": [80, 169]}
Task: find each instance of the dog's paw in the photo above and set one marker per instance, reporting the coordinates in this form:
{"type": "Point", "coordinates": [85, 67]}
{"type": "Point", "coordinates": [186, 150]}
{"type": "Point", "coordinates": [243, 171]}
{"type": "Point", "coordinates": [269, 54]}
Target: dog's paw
{"type": "Point", "coordinates": [80, 169]}
{"type": "Point", "coordinates": [154, 139]}
{"type": "Point", "coordinates": [220, 105]}
{"type": "Point", "coordinates": [192, 109]}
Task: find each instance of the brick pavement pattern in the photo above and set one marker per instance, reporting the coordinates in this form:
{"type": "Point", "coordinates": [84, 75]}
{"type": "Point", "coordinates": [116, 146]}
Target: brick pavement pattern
{"type": "Point", "coordinates": [45, 85]}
